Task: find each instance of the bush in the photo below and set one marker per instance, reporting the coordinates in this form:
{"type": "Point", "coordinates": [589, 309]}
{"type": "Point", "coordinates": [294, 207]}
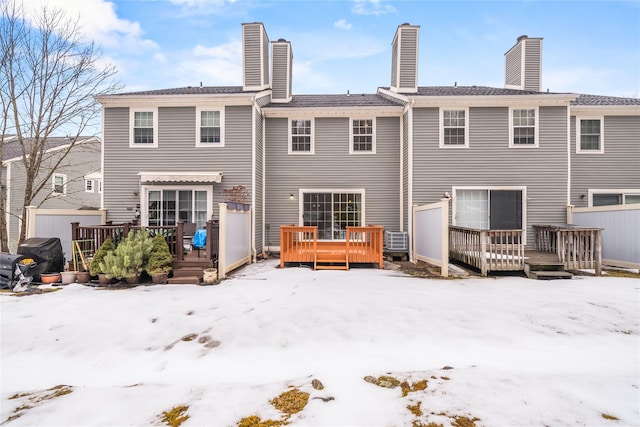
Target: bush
{"type": "Point", "coordinates": [160, 259]}
{"type": "Point", "coordinates": [129, 259]}
{"type": "Point", "coordinates": [106, 247]}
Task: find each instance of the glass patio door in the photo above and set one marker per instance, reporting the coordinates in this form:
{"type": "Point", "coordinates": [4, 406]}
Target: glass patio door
{"type": "Point", "coordinates": [169, 206]}
{"type": "Point", "coordinates": [332, 213]}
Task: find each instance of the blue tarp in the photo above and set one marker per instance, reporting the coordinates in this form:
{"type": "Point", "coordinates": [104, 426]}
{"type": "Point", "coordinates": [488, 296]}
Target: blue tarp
{"type": "Point", "coordinates": [200, 239]}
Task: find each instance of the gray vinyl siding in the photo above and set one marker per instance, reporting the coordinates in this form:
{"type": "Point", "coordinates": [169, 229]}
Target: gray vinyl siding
{"type": "Point", "coordinates": [83, 159]}
{"type": "Point", "coordinates": [513, 64]}
{"type": "Point", "coordinates": [331, 167]}
{"type": "Point", "coordinates": [176, 152]}
{"type": "Point", "coordinates": [408, 58]}
{"type": "Point", "coordinates": [394, 62]}
{"type": "Point", "coordinates": [259, 183]}
{"type": "Point", "coordinates": [532, 61]}
{"type": "Point", "coordinates": [254, 67]}
{"type": "Point", "coordinates": [263, 100]}
{"type": "Point", "coordinates": [265, 58]}
{"type": "Point", "coordinates": [617, 168]}
{"type": "Point", "coordinates": [490, 162]}
{"type": "Point", "coordinates": [280, 78]}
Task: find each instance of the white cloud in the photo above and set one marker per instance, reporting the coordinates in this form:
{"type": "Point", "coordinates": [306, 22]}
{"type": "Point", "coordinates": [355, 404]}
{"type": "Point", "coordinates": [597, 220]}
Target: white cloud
{"type": "Point", "coordinates": [342, 24]}
{"type": "Point", "coordinates": [98, 21]}
{"type": "Point", "coordinates": [214, 66]}
{"type": "Point", "coordinates": [372, 7]}
{"type": "Point", "coordinates": [198, 3]}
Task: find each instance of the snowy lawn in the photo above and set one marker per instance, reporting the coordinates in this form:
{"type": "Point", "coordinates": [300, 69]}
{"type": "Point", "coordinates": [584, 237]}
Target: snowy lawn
{"type": "Point", "coordinates": [502, 351]}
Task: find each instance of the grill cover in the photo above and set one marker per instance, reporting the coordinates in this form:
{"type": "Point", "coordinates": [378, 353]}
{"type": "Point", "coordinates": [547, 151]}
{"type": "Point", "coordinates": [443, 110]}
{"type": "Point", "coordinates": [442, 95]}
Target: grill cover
{"type": "Point", "coordinates": [46, 252]}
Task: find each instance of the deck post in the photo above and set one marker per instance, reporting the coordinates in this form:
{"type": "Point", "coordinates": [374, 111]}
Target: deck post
{"type": "Point", "coordinates": [598, 252]}
{"type": "Point", "coordinates": [483, 252]}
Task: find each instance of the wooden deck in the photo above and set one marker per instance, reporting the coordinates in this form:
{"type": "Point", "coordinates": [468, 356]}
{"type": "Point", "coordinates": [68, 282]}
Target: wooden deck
{"type": "Point", "coordinates": [299, 244]}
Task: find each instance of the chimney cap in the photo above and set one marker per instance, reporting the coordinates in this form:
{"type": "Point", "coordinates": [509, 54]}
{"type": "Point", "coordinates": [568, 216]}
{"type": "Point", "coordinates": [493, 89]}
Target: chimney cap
{"type": "Point", "coordinates": [522, 37]}
{"type": "Point", "coordinates": [282, 40]}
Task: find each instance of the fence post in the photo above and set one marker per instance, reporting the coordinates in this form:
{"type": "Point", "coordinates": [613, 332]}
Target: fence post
{"type": "Point", "coordinates": [74, 231]}
{"type": "Point", "coordinates": [222, 235]}
{"type": "Point", "coordinates": [483, 252]}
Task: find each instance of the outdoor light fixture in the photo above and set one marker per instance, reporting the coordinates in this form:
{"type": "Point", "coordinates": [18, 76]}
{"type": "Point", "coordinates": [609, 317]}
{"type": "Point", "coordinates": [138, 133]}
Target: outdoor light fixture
{"type": "Point", "coordinates": [291, 196]}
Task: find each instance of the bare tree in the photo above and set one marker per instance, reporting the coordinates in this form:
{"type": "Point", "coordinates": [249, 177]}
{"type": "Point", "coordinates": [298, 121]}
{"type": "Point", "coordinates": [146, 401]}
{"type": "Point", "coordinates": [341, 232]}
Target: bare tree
{"type": "Point", "coordinates": [49, 77]}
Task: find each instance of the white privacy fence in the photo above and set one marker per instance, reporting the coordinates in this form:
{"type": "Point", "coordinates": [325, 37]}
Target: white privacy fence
{"type": "Point", "coordinates": [620, 235]}
{"type": "Point", "coordinates": [235, 239]}
{"type": "Point", "coordinates": [57, 223]}
{"type": "Point", "coordinates": [430, 237]}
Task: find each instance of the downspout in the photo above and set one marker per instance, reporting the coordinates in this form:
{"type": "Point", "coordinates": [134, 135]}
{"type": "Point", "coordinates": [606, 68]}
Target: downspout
{"type": "Point", "coordinates": [402, 118]}
{"type": "Point", "coordinates": [7, 211]}
{"type": "Point", "coordinates": [410, 174]}
{"type": "Point", "coordinates": [254, 108]}
{"type": "Point", "coordinates": [569, 155]}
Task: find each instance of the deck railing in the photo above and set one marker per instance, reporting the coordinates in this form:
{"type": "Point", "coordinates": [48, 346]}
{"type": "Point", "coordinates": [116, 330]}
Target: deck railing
{"type": "Point", "coordinates": [173, 234]}
{"type": "Point", "coordinates": [365, 244]}
{"type": "Point", "coordinates": [298, 244]}
{"type": "Point", "coordinates": [361, 244]}
{"type": "Point", "coordinates": [576, 247]}
{"type": "Point", "coordinates": [487, 250]}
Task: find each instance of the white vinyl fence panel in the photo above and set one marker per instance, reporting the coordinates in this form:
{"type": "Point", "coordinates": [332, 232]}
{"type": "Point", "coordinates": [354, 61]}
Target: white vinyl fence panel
{"type": "Point", "coordinates": [235, 240]}
{"type": "Point", "coordinates": [620, 235]}
{"type": "Point", "coordinates": [57, 223]}
{"type": "Point", "coordinates": [431, 235]}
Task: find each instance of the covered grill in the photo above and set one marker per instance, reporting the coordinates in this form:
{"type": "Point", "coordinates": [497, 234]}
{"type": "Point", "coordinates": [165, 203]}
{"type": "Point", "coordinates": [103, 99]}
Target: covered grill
{"type": "Point", "coordinates": [46, 252]}
{"type": "Point", "coordinates": [16, 271]}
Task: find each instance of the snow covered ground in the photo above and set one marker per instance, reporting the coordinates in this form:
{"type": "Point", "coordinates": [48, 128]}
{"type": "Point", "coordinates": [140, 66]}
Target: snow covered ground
{"type": "Point", "coordinates": [521, 352]}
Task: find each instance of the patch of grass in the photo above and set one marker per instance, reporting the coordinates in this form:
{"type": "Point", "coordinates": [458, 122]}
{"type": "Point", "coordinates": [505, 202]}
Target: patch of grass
{"type": "Point", "coordinates": [35, 398]}
{"type": "Point", "coordinates": [464, 422]}
{"type": "Point", "coordinates": [415, 409]}
{"type": "Point", "coordinates": [175, 416]}
{"type": "Point", "coordinates": [291, 402]}
{"type": "Point", "coordinates": [610, 417]}
{"type": "Point", "coordinates": [623, 273]}
{"type": "Point", "coordinates": [36, 291]}
{"type": "Point", "coordinates": [255, 421]}
{"type": "Point", "coordinates": [410, 388]}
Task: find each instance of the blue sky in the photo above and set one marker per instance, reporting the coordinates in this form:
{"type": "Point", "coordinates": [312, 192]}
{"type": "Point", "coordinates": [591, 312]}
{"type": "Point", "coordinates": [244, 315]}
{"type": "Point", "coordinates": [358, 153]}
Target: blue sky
{"type": "Point", "coordinates": [589, 46]}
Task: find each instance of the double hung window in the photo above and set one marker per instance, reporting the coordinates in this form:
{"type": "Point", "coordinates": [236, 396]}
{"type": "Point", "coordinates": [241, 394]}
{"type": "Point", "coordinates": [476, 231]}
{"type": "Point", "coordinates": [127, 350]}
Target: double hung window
{"type": "Point", "coordinates": [589, 135]}
{"type": "Point", "coordinates": [144, 127]}
{"type": "Point", "coordinates": [363, 139]}
{"type": "Point", "coordinates": [524, 124]}
{"type": "Point", "coordinates": [453, 128]}
{"type": "Point", "coordinates": [59, 184]}
{"type": "Point", "coordinates": [301, 136]}
{"type": "Point", "coordinates": [210, 129]}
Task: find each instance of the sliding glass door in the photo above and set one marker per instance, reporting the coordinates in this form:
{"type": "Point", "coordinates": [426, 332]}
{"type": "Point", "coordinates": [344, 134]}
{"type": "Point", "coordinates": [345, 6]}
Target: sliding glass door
{"type": "Point", "coordinates": [332, 212]}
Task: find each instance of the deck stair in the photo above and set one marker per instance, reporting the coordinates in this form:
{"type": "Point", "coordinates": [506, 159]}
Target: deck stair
{"type": "Point", "coordinates": [544, 266]}
{"type": "Point", "coordinates": [331, 259]}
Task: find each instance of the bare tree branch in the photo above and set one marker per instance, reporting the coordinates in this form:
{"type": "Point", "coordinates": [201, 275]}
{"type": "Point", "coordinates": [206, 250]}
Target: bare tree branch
{"type": "Point", "coordinates": [49, 77]}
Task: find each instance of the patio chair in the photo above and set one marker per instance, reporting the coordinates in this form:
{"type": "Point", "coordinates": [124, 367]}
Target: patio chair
{"type": "Point", "coordinates": [188, 231]}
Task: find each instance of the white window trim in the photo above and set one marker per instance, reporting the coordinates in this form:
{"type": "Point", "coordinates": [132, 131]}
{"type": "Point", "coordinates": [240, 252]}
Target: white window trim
{"type": "Point", "coordinates": [199, 110]}
{"type": "Point", "coordinates": [373, 135]}
{"type": "Point", "coordinates": [92, 190]}
{"type": "Point", "coordinates": [536, 127]}
{"type": "Point", "coordinates": [64, 185]}
{"type": "Point", "coordinates": [132, 112]}
{"type": "Point", "coordinates": [144, 198]}
{"type": "Point", "coordinates": [578, 131]}
{"type": "Point", "coordinates": [623, 191]}
{"type": "Point", "coordinates": [489, 188]}
{"type": "Point", "coordinates": [313, 131]}
{"type": "Point", "coordinates": [302, 191]}
{"type": "Point", "coordinates": [466, 127]}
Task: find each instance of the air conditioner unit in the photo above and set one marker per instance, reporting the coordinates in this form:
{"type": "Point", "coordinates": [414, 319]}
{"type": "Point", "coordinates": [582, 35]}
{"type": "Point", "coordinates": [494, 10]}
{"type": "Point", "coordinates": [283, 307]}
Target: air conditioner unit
{"type": "Point", "coordinates": [396, 241]}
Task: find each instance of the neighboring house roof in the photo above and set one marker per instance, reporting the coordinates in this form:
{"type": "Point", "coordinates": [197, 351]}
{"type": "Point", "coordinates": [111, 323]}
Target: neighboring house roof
{"type": "Point", "coordinates": [475, 91]}
{"type": "Point", "coordinates": [604, 100]}
{"type": "Point", "coordinates": [336, 101]}
{"type": "Point", "coordinates": [189, 90]}
{"type": "Point", "coordinates": [12, 150]}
